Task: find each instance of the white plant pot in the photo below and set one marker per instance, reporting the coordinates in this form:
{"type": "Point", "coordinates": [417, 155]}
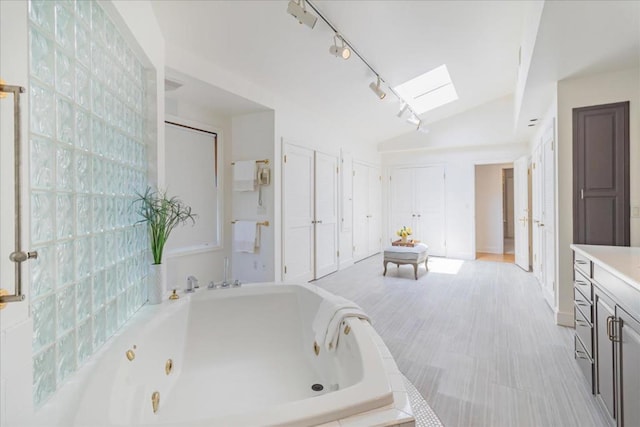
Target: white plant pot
{"type": "Point", "coordinates": [157, 283]}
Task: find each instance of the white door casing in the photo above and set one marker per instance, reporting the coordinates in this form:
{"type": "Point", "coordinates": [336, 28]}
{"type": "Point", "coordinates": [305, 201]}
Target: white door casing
{"type": "Point", "coordinates": [521, 209]}
{"type": "Point", "coordinates": [360, 211]}
{"type": "Point", "coordinates": [298, 214]}
{"type": "Point", "coordinates": [326, 214]}
{"type": "Point", "coordinates": [547, 223]}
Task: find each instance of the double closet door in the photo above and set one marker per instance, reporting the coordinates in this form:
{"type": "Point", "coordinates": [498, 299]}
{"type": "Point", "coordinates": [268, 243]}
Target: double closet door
{"type": "Point", "coordinates": [417, 196]}
{"type": "Point", "coordinates": [310, 213]}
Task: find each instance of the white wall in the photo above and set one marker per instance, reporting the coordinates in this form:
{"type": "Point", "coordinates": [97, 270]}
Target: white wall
{"type": "Point", "coordinates": [597, 89]}
{"type": "Point", "coordinates": [489, 210]}
{"type": "Point", "coordinates": [459, 167]}
{"type": "Point", "coordinates": [254, 139]}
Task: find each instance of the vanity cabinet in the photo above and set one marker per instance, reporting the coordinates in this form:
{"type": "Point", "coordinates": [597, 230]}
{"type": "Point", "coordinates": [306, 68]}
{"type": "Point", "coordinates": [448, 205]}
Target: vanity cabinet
{"type": "Point", "coordinates": [607, 322]}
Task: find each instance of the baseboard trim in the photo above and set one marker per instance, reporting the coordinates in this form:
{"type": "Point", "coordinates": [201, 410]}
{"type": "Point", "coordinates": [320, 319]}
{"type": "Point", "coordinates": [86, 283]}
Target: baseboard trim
{"type": "Point", "coordinates": [461, 255]}
{"type": "Point", "coordinates": [490, 250]}
{"type": "Point", "coordinates": [345, 264]}
{"type": "Point", "coordinates": [564, 318]}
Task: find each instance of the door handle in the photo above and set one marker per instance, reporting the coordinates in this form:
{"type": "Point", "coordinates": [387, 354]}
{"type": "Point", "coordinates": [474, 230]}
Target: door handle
{"type": "Point", "coordinates": [319, 222]}
{"type": "Point", "coordinates": [541, 225]}
{"type": "Point", "coordinates": [413, 215]}
{"type": "Point", "coordinates": [582, 193]}
{"type": "Point", "coordinates": [611, 333]}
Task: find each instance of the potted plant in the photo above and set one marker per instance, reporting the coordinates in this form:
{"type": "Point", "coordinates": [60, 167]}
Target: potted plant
{"type": "Point", "coordinates": [162, 214]}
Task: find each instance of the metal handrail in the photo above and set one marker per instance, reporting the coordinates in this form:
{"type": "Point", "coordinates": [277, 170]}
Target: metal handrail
{"type": "Point", "coordinates": [18, 256]}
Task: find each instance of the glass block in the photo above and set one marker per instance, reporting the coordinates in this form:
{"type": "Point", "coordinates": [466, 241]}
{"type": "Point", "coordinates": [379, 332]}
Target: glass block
{"type": "Point", "coordinates": [44, 375]}
{"type": "Point", "coordinates": [41, 13]}
{"type": "Point", "coordinates": [66, 356]}
{"type": "Point", "coordinates": [112, 318]}
{"type": "Point", "coordinates": [84, 224]}
{"type": "Point", "coordinates": [97, 23]}
{"type": "Point", "coordinates": [109, 248]}
{"type": "Point", "coordinates": [64, 27]}
{"type": "Point", "coordinates": [64, 168]}
{"type": "Point", "coordinates": [41, 217]}
{"type": "Point", "coordinates": [97, 129]}
{"type": "Point", "coordinates": [65, 74]}
{"type": "Point", "coordinates": [66, 309]}
{"type": "Point", "coordinates": [110, 138]}
{"type": "Point", "coordinates": [98, 294]}
{"type": "Point", "coordinates": [110, 33]}
{"type": "Point", "coordinates": [42, 107]}
{"type": "Point", "coordinates": [41, 52]}
{"type": "Point", "coordinates": [83, 12]}
{"type": "Point", "coordinates": [122, 309]}
{"type": "Point", "coordinates": [121, 215]}
{"type": "Point", "coordinates": [65, 263]}
{"type": "Point", "coordinates": [131, 273]}
{"type": "Point", "coordinates": [83, 129]}
{"type": "Point", "coordinates": [42, 159]}
{"type": "Point", "coordinates": [111, 282]}
{"type": "Point", "coordinates": [131, 301]}
{"type": "Point", "coordinates": [44, 324]}
{"type": "Point", "coordinates": [84, 341]}
{"type": "Point", "coordinates": [98, 175]}
{"type": "Point", "coordinates": [122, 245]}
{"type": "Point", "coordinates": [83, 87]}
{"type": "Point", "coordinates": [98, 218]}
{"type": "Point", "coordinates": [97, 98]}
{"type": "Point", "coordinates": [98, 252]}
{"type": "Point", "coordinates": [83, 44]}
{"type": "Point", "coordinates": [122, 276]}
{"type": "Point", "coordinates": [110, 212]}
{"type": "Point", "coordinates": [65, 206]}
{"type": "Point", "coordinates": [99, 333]}
{"type": "Point", "coordinates": [83, 257]}
{"type": "Point", "coordinates": [83, 172]}
{"type": "Point", "coordinates": [42, 271]}
{"type": "Point", "coordinates": [83, 300]}
{"type": "Point", "coordinates": [108, 106]}
{"type": "Point", "coordinates": [65, 120]}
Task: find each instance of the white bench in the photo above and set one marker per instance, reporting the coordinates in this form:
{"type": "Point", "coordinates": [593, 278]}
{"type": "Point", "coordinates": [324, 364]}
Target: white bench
{"type": "Point", "coordinates": [400, 255]}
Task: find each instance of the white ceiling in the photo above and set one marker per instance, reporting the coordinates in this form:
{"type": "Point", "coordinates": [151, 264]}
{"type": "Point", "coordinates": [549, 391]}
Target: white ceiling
{"type": "Point", "coordinates": [477, 40]}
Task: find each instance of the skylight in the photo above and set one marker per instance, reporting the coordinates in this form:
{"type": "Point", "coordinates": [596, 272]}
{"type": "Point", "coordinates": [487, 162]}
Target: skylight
{"type": "Point", "coordinates": [429, 90]}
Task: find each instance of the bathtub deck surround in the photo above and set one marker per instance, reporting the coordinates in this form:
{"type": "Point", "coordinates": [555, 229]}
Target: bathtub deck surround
{"type": "Point", "coordinates": [257, 372]}
{"type": "Point", "coordinates": [162, 214]}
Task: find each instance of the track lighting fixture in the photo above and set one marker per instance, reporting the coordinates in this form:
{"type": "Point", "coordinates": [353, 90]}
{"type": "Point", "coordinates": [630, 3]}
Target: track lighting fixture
{"type": "Point", "coordinates": [375, 87]}
{"type": "Point", "coordinates": [298, 10]}
{"type": "Point", "coordinates": [414, 120]}
{"type": "Point", "coordinates": [341, 51]}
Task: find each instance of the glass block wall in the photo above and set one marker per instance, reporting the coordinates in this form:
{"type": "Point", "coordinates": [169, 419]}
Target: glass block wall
{"type": "Point", "coordinates": [87, 160]}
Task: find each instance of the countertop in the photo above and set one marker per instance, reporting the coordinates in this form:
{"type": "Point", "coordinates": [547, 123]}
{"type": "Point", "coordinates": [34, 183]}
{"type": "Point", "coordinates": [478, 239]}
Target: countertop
{"type": "Point", "coordinates": [621, 261]}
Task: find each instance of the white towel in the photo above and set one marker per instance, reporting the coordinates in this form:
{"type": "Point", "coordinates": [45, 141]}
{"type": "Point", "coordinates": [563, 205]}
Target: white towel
{"type": "Point", "coordinates": [244, 175]}
{"type": "Point", "coordinates": [332, 311]}
{"type": "Point", "coordinates": [244, 236]}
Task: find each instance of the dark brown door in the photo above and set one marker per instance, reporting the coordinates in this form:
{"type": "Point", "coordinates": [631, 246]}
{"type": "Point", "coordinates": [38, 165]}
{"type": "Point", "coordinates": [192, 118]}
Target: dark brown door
{"type": "Point", "coordinates": [601, 174]}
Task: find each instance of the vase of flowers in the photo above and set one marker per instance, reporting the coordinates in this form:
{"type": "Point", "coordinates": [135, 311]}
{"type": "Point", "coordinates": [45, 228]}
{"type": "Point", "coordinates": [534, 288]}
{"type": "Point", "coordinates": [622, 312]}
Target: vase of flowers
{"type": "Point", "coordinates": [162, 214]}
{"type": "Point", "coordinates": [404, 232]}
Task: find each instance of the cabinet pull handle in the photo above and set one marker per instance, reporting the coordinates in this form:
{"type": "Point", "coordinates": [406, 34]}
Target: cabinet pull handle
{"type": "Point", "coordinates": [581, 303]}
{"type": "Point", "coordinates": [581, 282]}
{"type": "Point", "coordinates": [611, 331]}
{"type": "Point", "coordinates": [581, 262]}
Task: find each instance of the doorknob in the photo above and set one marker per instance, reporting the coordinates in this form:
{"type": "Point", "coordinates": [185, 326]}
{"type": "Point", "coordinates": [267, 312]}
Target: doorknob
{"type": "Point", "coordinates": [541, 225]}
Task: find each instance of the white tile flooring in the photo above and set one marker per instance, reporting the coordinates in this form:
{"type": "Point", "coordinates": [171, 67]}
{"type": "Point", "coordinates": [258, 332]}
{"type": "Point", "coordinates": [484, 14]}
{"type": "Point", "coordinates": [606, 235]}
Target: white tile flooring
{"type": "Point", "coordinates": [476, 339]}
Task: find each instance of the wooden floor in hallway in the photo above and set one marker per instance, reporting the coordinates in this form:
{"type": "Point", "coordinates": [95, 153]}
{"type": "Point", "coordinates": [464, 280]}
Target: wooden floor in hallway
{"type": "Point", "coordinates": [476, 339]}
{"type": "Point", "coordinates": [482, 256]}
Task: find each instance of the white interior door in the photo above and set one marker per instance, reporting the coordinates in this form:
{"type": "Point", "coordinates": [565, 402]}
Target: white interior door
{"type": "Point", "coordinates": [521, 207]}
{"type": "Point", "coordinates": [430, 209]}
{"type": "Point", "coordinates": [402, 201]}
{"type": "Point", "coordinates": [326, 214]}
{"type": "Point", "coordinates": [548, 218]}
{"type": "Point", "coordinates": [298, 213]}
{"type": "Point", "coordinates": [360, 211]}
{"type": "Point", "coordinates": [375, 211]}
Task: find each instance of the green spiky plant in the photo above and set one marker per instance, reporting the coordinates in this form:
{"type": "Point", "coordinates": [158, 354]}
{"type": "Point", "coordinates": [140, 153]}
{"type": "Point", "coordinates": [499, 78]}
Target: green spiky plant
{"type": "Point", "coordinates": [162, 214]}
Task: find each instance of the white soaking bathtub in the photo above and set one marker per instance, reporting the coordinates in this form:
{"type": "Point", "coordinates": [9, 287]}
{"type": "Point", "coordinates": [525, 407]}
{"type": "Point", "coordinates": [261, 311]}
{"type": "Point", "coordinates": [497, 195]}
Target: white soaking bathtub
{"type": "Point", "coordinates": [240, 357]}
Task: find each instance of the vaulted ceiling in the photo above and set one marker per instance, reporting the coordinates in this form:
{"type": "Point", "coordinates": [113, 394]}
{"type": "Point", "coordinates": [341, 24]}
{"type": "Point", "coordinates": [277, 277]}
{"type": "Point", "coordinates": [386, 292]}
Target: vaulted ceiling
{"type": "Point", "coordinates": [477, 40]}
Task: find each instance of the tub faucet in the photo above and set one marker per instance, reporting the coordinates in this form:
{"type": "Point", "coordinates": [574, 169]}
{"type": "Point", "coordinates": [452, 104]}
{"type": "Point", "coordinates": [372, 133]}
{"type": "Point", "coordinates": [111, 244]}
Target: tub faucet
{"type": "Point", "coordinates": [192, 284]}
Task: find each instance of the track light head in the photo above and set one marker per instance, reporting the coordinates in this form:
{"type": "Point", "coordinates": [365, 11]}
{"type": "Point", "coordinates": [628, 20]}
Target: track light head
{"type": "Point", "coordinates": [375, 87]}
{"type": "Point", "coordinates": [341, 50]}
{"type": "Point", "coordinates": [297, 9]}
{"type": "Point", "coordinates": [414, 120]}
